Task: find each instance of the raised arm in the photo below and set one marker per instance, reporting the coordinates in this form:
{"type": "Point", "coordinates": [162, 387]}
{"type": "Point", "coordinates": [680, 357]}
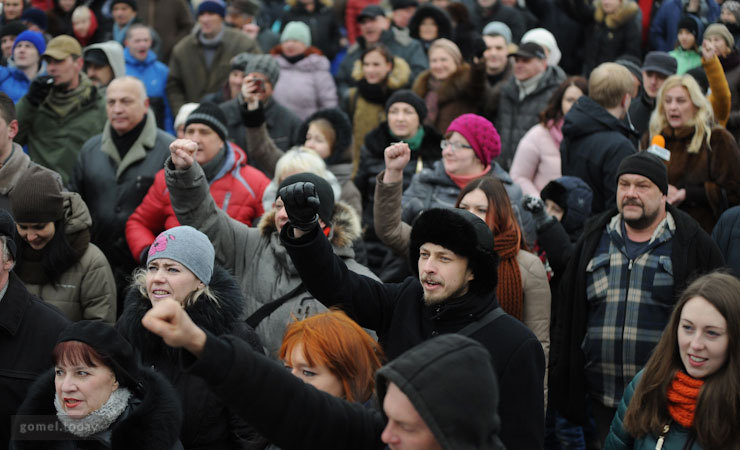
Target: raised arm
{"type": "Point", "coordinates": [389, 227]}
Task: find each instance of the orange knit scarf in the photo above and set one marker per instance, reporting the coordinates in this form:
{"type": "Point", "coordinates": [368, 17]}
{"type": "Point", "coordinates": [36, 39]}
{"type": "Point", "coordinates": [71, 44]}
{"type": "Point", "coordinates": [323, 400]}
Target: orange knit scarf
{"type": "Point", "coordinates": [682, 397]}
{"type": "Point", "coordinates": [509, 290]}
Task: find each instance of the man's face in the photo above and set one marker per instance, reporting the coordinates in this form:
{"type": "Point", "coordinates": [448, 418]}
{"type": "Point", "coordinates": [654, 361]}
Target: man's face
{"type": "Point", "coordinates": [122, 14]}
{"type": "Point", "coordinates": [236, 18]}
{"type": "Point", "coordinates": [65, 71]}
{"type": "Point", "coordinates": [209, 143]}
{"type": "Point", "coordinates": [402, 16]}
{"type": "Point", "coordinates": [99, 75]}
{"type": "Point", "coordinates": [7, 45]}
{"type": "Point", "coordinates": [443, 273]}
{"type": "Point", "coordinates": [639, 200]}
{"type": "Point", "coordinates": [12, 9]}
{"type": "Point", "coordinates": [526, 68]}
{"type": "Point", "coordinates": [496, 54]}
{"type": "Point", "coordinates": [139, 42]}
{"type": "Point", "coordinates": [210, 24]}
{"type": "Point", "coordinates": [486, 3]}
{"type": "Point", "coordinates": [7, 134]}
{"type": "Point", "coordinates": [405, 430]}
{"type": "Point", "coordinates": [372, 28]}
{"type": "Point", "coordinates": [25, 55]}
{"type": "Point", "coordinates": [124, 105]}
{"type": "Point", "coordinates": [652, 81]}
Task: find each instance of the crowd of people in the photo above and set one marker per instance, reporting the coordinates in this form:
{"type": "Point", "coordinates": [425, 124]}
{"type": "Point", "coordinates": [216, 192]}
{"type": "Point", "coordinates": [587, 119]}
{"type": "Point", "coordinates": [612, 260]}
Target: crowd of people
{"type": "Point", "coordinates": [369, 224]}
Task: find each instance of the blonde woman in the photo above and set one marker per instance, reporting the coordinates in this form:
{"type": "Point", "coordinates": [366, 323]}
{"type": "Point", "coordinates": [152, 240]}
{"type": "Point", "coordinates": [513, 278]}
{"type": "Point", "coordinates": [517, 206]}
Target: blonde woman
{"type": "Point", "coordinates": [704, 158]}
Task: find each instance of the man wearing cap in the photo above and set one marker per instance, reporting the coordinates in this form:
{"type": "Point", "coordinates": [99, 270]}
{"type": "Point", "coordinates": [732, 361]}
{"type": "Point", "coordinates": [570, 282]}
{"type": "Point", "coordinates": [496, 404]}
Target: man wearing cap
{"type": "Point", "coordinates": [452, 290]}
{"type": "Point", "coordinates": [60, 112]}
{"type": "Point", "coordinates": [27, 50]}
{"type": "Point", "coordinates": [403, 10]}
{"type": "Point", "coordinates": [29, 328]}
{"type": "Point", "coordinates": [200, 61]}
{"type": "Point", "coordinates": [235, 186]}
{"type": "Point", "coordinates": [243, 15]}
{"type": "Point", "coordinates": [523, 97]}
{"type": "Point", "coordinates": [374, 28]}
{"type": "Point", "coordinates": [255, 105]}
{"type": "Point", "coordinates": [656, 67]}
{"type": "Point", "coordinates": [104, 62]}
{"type": "Point", "coordinates": [172, 20]}
{"type": "Point", "coordinates": [622, 281]}
{"type": "Point", "coordinates": [497, 37]}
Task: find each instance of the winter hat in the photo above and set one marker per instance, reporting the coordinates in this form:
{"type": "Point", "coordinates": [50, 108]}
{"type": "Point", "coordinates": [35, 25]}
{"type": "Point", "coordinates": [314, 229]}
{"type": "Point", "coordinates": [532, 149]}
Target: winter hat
{"type": "Point", "coordinates": [323, 190]}
{"type": "Point", "coordinates": [498, 29]}
{"type": "Point", "coordinates": [717, 29]}
{"type": "Point", "coordinates": [632, 64]}
{"type": "Point", "coordinates": [183, 113]}
{"type": "Point", "coordinates": [733, 7]}
{"type": "Point", "coordinates": [463, 233]}
{"type": "Point", "coordinates": [450, 47]}
{"type": "Point", "coordinates": [189, 247]}
{"type": "Point", "coordinates": [105, 340]}
{"type": "Point", "coordinates": [647, 165]}
{"type": "Point", "coordinates": [212, 6]}
{"type": "Point", "coordinates": [37, 197]}
{"type": "Point", "coordinates": [131, 3]}
{"type": "Point", "coordinates": [8, 230]}
{"type": "Point", "coordinates": [545, 39]}
{"type": "Point", "coordinates": [410, 97]}
{"type": "Point", "coordinates": [400, 4]}
{"type": "Point", "coordinates": [63, 46]}
{"type": "Point", "coordinates": [370, 12]}
{"type": "Point", "coordinates": [438, 15]}
{"type": "Point", "coordinates": [480, 134]}
{"type": "Point", "coordinates": [209, 114]}
{"type": "Point", "coordinates": [266, 65]}
{"type": "Point", "coordinates": [555, 192]}
{"type": "Point", "coordinates": [690, 25]}
{"type": "Point", "coordinates": [247, 7]}
{"type": "Point", "coordinates": [341, 152]}
{"type": "Point", "coordinates": [530, 50]}
{"type": "Point", "coordinates": [297, 31]}
{"type": "Point", "coordinates": [239, 62]}
{"type": "Point", "coordinates": [36, 17]}
{"type": "Point", "coordinates": [661, 62]}
{"type": "Point", "coordinates": [12, 28]}
{"type": "Point", "coordinates": [35, 38]}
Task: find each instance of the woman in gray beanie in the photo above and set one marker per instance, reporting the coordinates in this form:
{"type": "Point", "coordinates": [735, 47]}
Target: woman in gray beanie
{"type": "Point", "coordinates": [180, 266]}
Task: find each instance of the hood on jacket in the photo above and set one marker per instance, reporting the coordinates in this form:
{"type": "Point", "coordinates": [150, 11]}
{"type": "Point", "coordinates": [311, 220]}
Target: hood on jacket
{"type": "Point", "coordinates": [460, 407]}
{"type": "Point", "coordinates": [114, 53]}
{"type": "Point", "coordinates": [76, 215]}
{"type": "Point", "coordinates": [588, 117]}
{"type": "Point", "coordinates": [439, 16]}
{"type": "Point", "coordinates": [270, 193]}
{"type": "Point", "coordinates": [576, 196]}
{"type": "Point", "coordinates": [396, 79]}
{"type": "Point", "coordinates": [341, 152]}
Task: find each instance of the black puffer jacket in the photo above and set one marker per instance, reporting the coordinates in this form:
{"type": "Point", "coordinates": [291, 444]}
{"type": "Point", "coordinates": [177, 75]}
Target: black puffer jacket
{"type": "Point", "coordinates": [207, 423]}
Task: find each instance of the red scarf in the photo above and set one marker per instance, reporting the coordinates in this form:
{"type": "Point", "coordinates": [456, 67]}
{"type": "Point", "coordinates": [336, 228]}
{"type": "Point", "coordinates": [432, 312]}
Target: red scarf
{"type": "Point", "coordinates": [462, 180]}
{"type": "Point", "coordinates": [683, 394]}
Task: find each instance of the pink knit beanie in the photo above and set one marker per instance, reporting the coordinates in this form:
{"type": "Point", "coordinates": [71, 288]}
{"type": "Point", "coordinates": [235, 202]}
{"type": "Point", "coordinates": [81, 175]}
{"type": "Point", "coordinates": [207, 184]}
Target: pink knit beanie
{"type": "Point", "coordinates": [480, 134]}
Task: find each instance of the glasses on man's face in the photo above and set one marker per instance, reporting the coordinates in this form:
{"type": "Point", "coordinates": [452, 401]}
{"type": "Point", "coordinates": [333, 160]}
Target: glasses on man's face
{"type": "Point", "coordinates": [456, 146]}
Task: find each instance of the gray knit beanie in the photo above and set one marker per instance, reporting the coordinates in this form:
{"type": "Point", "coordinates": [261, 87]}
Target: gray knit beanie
{"type": "Point", "coordinates": [189, 247]}
{"type": "Point", "coordinates": [266, 65]}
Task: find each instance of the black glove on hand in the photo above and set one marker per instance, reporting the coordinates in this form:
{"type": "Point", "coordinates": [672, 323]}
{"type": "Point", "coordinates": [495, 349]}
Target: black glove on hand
{"type": "Point", "coordinates": [537, 207]}
{"type": "Point", "coordinates": [301, 204]}
{"type": "Point", "coordinates": [39, 89]}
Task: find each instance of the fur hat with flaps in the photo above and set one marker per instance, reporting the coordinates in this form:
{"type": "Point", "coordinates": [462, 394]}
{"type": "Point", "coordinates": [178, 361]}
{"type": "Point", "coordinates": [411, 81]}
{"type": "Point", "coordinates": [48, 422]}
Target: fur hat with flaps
{"type": "Point", "coordinates": [465, 234]}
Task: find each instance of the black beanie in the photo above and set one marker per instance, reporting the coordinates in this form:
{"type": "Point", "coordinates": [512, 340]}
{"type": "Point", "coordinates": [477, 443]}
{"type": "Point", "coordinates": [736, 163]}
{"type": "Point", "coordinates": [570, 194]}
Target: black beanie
{"type": "Point", "coordinates": [37, 197]}
{"type": "Point", "coordinates": [689, 24]}
{"type": "Point", "coordinates": [647, 165]}
{"type": "Point", "coordinates": [131, 3]}
{"type": "Point", "coordinates": [7, 229]}
{"type": "Point", "coordinates": [410, 97]}
{"type": "Point", "coordinates": [323, 189]}
{"type": "Point", "coordinates": [209, 114]}
{"type": "Point", "coordinates": [461, 232]}
{"type": "Point", "coordinates": [557, 193]}
{"type": "Point", "coordinates": [110, 344]}
{"type": "Point", "coordinates": [12, 28]}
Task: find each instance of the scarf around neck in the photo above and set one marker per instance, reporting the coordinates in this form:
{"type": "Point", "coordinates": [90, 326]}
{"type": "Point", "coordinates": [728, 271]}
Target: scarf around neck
{"type": "Point", "coordinates": [683, 393]}
{"type": "Point", "coordinates": [462, 180]}
{"type": "Point", "coordinates": [64, 103]}
{"type": "Point", "coordinates": [97, 421]}
{"type": "Point", "coordinates": [376, 93]}
{"type": "Point", "coordinates": [509, 289]}
{"type": "Point", "coordinates": [415, 140]}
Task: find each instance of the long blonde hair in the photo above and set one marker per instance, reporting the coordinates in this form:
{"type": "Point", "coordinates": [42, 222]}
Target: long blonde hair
{"type": "Point", "coordinates": [703, 120]}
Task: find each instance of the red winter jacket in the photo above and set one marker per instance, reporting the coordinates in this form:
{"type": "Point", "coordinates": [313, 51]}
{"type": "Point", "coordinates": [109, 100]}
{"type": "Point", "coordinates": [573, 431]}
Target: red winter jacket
{"type": "Point", "coordinates": [237, 187]}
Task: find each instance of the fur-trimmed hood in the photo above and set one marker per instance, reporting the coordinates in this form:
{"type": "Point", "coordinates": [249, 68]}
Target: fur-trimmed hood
{"type": "Point", "coordinates": [396, 79]}
{"type": "Point", "coordinates": [460, 86]}
{"type": "Point", "coordinates": [626, 12]}
{"type": "Point", "coordinates": [439, 16]}
{"type": "Point", "coordinates": [152, 420]}
{"type": "Point", "coordinates": [341, 152]}
{"type": "Point", "coordinates": [345, 225]}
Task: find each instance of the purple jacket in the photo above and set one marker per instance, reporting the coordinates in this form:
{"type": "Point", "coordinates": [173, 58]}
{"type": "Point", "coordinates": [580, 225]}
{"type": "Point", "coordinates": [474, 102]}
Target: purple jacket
{"type": "Point", "coordinates": [305, 86]}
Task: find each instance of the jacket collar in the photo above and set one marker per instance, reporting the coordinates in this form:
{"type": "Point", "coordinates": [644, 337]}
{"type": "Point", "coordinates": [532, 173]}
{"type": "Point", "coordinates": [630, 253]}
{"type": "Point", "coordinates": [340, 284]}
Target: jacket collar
{"type": "Point", "coordinates": [452, 315]}
{"type": "Point", "coordinates": [138, 150]}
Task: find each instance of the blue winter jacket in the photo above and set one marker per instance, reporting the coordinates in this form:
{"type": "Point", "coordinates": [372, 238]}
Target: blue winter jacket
{"type": "Point", "coordinates": [664, 27]}
{"type": "Point", "coordinates": [153, 74]}
{"type": "Point", "coordinates": [13, 82]}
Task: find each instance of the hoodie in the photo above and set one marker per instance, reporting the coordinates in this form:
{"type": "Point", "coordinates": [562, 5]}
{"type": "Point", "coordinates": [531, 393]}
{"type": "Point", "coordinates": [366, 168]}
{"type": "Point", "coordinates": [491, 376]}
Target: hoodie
{"type": "Point", "coordinates": [114, 53]}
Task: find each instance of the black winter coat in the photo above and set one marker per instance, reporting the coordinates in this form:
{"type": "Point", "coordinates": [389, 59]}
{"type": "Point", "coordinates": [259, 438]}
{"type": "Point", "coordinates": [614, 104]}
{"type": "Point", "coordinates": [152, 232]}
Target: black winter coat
{"type": "Point", "coordinates": [726, 235]}
{"type": "Point", "coordinates": [396, 311]}
{"type": "Point", "coordinates": [207, 422]}
{"type": "Point", "coordinates": [692, 253]}
{"type": "Point", "coordinates": [500, 13]}
{"type": "Point", "coordinates": [594, 143]}
{"type": "Point", "coordinates": [151, 421]}
{"type": "Point", "coordinates": [29, 328]}
{"type": "Point", "coordinates": [325, 32]}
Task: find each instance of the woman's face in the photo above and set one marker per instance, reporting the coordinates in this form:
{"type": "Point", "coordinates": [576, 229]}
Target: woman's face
{"type": "Point", "coordinates": [36, 234]}
{"type": "Point", "coordinates": [571, 94]}
{"type": "Point", "coordinates": [403, 120]}
{"type": "Point", "coordinates": [83, 389]}
{"type": "Point", "coordinates": [316, 141]}
{"type": "Point", "coordinates": [81, 25]}
{"type": "Point", "coordinates": [236, 78]}
{"type": "Point", "coordinates": [554, 210]}
{"type": "Point", "coordinates": [166, 278]}
{"type": "Point", "coordinates": [610, 6]}
{"type": "Point", "coordinates": [291, 48]}
{"type": "Point", "coordinates": [679, 109]}
{"type": "Point", "coordinates": [476, 202]}
{"type": "Point", "coordinates": [428, 29]}
{"type": "Point", "coordinates": [702, 338]}
{"type": "Point", "coordinates": [67, 5]}
{"type": "Point", "coordinates": [441, 64]}
{"type": "Point", "coordinates": [720, 46]}
{"type": "Point", "coordinates": [375, 68]}
{"type": "Point", "coordinates": [317, 376]}
{"type": "Point", "coordinates": [686, 39]}
{"type": "Point", "coordinates": [458, 156]}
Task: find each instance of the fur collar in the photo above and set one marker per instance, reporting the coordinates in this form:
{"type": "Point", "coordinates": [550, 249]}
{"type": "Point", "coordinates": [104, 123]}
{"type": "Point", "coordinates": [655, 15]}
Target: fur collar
{"type": "Point", "coordinates": [618, 18]}
{"type": "Point", "coordinates": [346, 225]}
{"type": "Point", "coordinates": [151, 422]}
{"type": "Point", "coordinates": [396, 79]}
{"type": "Point", "coordinates": [458, 87]}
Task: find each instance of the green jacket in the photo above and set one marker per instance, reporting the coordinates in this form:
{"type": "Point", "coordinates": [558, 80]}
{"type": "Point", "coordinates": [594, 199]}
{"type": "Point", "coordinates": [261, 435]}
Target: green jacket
{"type": "Point", "coordinates": [686, 59]}
{"type": "Point", "coordinates": [54, 141]}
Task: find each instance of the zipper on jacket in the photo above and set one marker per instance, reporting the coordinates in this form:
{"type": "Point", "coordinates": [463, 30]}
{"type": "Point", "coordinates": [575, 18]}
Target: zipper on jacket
{"type": "Point", "coordinates": [624, 318]}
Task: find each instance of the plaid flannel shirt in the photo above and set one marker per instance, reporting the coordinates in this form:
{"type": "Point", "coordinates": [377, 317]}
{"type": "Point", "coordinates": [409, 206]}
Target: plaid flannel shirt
{"type": "Point", "coordinates": [629, 303]}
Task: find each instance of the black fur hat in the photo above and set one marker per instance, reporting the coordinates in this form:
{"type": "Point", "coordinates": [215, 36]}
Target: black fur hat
{"type": "Point", "coordinates": [438, 15]}
{"type": "Point", "coordinates": [341, 152]}
{"type": "Point", "coordinates": [465, 234]}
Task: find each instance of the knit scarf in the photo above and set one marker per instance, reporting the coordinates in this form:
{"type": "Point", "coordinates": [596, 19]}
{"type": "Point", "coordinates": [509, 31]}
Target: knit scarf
{"type": "Point", "coordinates": [64, 103]}
{"type": "Point", "coordinates": [462, 180]}
{"type": "Point", "coordinates": [414, 141]}
{"type": "Point", "coordinates": [376, 93]}
{"type": "Point", "coordinates": [97, 421]}
{"type": "Point", "coordinates": [682, 396]}
{"type": "Point", "coordinates": [509, 289]}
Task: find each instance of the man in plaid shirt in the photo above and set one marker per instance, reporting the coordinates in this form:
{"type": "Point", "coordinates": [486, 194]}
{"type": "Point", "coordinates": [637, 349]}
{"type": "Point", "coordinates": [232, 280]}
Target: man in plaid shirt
{"type": "Point", "coordinates": [619, 289]}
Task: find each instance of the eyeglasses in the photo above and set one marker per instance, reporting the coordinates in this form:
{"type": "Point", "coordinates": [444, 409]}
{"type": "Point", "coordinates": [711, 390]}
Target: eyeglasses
{"type": "Point", "coordinates": [456, 146]}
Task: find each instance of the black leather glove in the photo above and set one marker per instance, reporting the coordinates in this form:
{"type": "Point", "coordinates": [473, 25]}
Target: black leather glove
{"type": "Point", "coordinates": [39, 89]}
{"type": "Point", "coordinates": [301, 204]}
{"type": "Point", "coordinates": [537, 208]}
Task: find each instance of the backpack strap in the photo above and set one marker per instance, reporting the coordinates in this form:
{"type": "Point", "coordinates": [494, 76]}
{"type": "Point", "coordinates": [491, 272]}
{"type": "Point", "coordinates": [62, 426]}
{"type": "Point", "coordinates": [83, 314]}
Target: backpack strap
{"type": "Point", "coordinates": [489, 318]}
{"type": "Point", "coordinates": [268, 308]}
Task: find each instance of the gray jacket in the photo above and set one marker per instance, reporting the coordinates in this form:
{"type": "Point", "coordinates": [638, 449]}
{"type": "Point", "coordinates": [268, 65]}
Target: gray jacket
{"type": "Point", "coordinates": [255, 255]}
